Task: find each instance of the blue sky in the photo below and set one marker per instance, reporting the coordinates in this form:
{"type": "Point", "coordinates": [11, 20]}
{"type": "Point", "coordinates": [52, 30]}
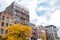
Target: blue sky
{"type": "Point", "coordinates": [42, 12]}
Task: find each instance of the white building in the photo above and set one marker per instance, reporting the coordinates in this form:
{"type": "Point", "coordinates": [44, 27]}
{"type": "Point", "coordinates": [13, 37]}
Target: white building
{"type": "Point", "coordinates": [51, 32]}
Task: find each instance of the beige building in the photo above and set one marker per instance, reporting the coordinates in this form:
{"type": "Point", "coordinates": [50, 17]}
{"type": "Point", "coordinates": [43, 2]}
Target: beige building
{"type": "Point", "coordinates": [41, 32]}
{"type": "Point", "coordinates": [5, 20]}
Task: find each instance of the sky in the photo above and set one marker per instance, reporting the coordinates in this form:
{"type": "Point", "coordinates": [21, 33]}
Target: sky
{"type": "Point", "coordinates": [42, 12]}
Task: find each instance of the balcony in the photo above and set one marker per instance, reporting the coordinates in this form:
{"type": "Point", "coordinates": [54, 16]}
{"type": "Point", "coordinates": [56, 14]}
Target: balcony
{"type": "Point", "coordinates": [19, 14]}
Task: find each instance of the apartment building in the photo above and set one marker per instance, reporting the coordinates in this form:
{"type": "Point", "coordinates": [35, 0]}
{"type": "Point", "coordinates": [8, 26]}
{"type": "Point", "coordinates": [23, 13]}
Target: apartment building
{"type": "Point", "coordinates": [20, 13]}
{"type": "Point", "coordinates": [5, 20]}
{"type": "Point", "coordinates": [51, 32]}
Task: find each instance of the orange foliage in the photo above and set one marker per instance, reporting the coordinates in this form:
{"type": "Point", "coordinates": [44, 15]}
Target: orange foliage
{"type": "Point", "coordinates": [18, 32]}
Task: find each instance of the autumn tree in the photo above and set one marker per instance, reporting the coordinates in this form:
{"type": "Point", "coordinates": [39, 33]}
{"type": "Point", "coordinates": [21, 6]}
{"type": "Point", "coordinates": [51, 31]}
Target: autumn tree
{"type": "Point", "coordinates": [18, 32]}
{"type": "Point", "coordinates": [43, 36]}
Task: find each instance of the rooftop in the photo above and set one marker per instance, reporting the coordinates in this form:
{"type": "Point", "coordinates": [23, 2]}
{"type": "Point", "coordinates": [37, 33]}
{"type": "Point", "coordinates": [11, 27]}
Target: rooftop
{"type": "Point", "coordinates": [19, 5]}
{"type": "Point", "coordinates": [50, 26]}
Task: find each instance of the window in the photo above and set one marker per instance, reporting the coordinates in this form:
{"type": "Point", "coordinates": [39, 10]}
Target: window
{"type": "Point", "coordinates": [11, 20]}
{"type": "Point", "coordinates": [15, 19]}
{"type": "Point", "coordinates": [7, 19]}
{"type": "Point", "coordinates": [0, 15]}
{"type": "Point", "coordinates": [10, 24]}
{"type": "Point", "coordinates": [1, 31]}
{"type": "Point", "coordinates": [18, 19]}
{"type": "Point", "coordinates": [15, 22]}
{"type": "Point", "coordinates": [3, 17]}
{"type": "Point", "coordinates": [6, 31]}
{"type": "Point", "coordinates": [2, 23]}
{"type": "Point", "coordinates": [6, 24]}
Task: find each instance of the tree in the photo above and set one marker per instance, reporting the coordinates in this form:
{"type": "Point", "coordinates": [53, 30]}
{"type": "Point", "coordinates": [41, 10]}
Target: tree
{"type": "Point", "coordinates": [18, 32]}
{"type": "Point", "coordinates": [43, 36]}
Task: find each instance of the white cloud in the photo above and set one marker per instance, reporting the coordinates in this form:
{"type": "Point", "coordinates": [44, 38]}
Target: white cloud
{"type": "Point", "coordinates": [43, 8]}
{"type": "Point", "coordinates": [31, 5]}
{"type": "Point", "coordinates": [4, 4]}
{"type": "Point", "coordinates": [41, 20]}
{"type": "Point", "coordinates": [8, 1]}
{"type": "Point", "coordinates": [52, 16]}
{"type": "Point", "coordinates": [55, 20]}
{"type": "Point", "coordinates": [50, 8]}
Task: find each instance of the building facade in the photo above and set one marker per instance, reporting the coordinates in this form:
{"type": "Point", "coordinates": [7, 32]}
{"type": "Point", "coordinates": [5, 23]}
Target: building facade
{"type": "Point", "coordinates": [32, 25]}
{"type": "Point", "coordinates": [41, 32]}
{"type": "Point", "coordinates": [5, 20]}
{"type": "Point", "coordinates": [51, 32]}
{"type": "Point", "coordinates": [34, 33]}
{"type": "Point", "coordinates": [20, 13]}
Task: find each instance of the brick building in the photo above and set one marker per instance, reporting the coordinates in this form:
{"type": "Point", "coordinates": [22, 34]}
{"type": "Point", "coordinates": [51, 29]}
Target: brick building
{"type": "Point", "coordinates": [34, 34]}
{"type": "Point", "coordinates": [5, 20]}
